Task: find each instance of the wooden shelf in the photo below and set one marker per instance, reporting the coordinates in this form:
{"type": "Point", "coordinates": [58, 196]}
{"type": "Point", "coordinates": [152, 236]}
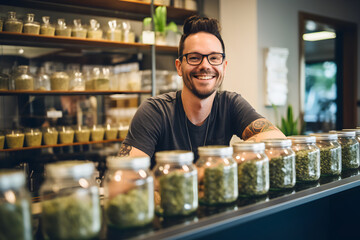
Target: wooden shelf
{"type": "Point", "coordinates": [110, 92]}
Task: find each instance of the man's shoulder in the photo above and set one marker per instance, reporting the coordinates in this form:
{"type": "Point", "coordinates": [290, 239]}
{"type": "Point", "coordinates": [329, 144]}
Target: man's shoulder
{"type": "Point", "coordinates": [166, 97]}
{"type": "Point", "coordinates": [228, 95]}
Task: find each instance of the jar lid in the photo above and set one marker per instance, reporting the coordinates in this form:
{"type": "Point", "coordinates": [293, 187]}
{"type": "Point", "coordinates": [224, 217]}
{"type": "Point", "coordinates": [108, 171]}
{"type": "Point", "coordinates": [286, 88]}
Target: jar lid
{"type": "Point", "coordinates": [249, 146]}
{"type": "Point", "coordinates": [128, 162]}
{"type": "Point", "coordinates": [11, 179]}
{"type": "Point", "coordinates": [325, 136]}
{"type": "Point", "coordinates": [74, 169]}
{"type": "Point", "coordinates": [174, 156]}
{"type": "Point", "coordinates": [357, 131]}
{"type": "Point", "coordinates": [277, 142]}
{"type": "Point", "coordinates": [302, 139]}
{"type": "Point", "coordinates": [215, 150]}
{"type": "Point", "coordinates": [344, 133]}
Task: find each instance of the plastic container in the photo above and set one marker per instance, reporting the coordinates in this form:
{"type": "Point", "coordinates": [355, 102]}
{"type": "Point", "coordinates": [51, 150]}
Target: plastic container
{"type": "Point", "coordinates": [15, 206]}
{"type": "Point", "coordinates": [281, 163]}
{"type": "Point", "coordinates": [78, 30]}
{"type": "Point", "coordinates": [217, 175]}
{"type": "Point", "coordinates": [77, 82]}
{"type": "Point", "coordinates": [60, 81]}
{"type": "Point", "coordinates": [307, 160]}
{"type": "Point", "coordinates": [66, 135]}
{"type": "Point", "coordinates": [50, 136]}
{"type": "Point", "coordinates": [253, 168]}
{"type": "Point", "coordinates": [46, 28]}
{"type": "Point", "coordinates": [14, 139]}
{"type": "Point", "coordinates": [129, 192]}
{"type": "Point", "coordinates": [61, 28]}
{"type": "Point", "coordinates": [70, 201]}
{"type": "Point", "coordinates": [23, 80]}
{"type": "Point", "coordinates": [4, 81]}
{"type": "Point", "coordinates": [82, 134]}
{"type": "Point", "coordinates": [42, 80]}
{"type": "Point", "coordinates": [176, 190]}
{"type": "Point", "coordinates": [97, 133]}
{"type": "Point", "coordinates": [349, 150]}
{"type": "Point", "coordinates": [114, 32]}
{"type": "Point", "coordinates": [12, 24]}
{"type": "Point", "coordinates": [33, 137]}
{"type": "Point", "coordinates": [94, 31]}
{"type": "Point", "coordinates": [111, 132]}
{"type": "Point", "coordinates": [30, 26]}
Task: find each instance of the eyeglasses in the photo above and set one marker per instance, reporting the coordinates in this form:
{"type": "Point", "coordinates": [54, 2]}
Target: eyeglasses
{"type": "Point", "coordinates": [195, 59]}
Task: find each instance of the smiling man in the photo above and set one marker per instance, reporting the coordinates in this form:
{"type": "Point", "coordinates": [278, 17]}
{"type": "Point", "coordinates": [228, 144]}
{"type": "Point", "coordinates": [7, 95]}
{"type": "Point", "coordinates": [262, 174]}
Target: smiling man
{"type": "Point", "coordinates": [199, 114]}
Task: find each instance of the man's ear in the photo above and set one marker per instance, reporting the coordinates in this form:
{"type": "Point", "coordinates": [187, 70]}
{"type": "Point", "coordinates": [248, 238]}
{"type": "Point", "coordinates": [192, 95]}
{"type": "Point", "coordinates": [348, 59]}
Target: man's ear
{"type": "Point", "coordinates": [178, 67]}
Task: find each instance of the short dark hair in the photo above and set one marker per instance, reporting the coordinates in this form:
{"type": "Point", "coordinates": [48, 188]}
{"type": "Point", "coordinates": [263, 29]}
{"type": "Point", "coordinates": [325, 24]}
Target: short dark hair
{"type": "Point", "coordinates": [195, 24]}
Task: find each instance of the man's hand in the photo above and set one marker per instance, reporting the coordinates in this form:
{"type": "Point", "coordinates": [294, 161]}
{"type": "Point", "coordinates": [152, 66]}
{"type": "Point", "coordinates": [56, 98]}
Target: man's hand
{"type": "Point", "coordinates": [261, 129]}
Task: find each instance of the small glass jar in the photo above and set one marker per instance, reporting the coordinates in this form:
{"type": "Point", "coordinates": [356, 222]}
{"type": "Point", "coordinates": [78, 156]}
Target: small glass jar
{"type": "Point", "coordinates": [23, 79]}
{"type": "Point", "coordinates": [114, 32]}
{"type": "Point", "coordinates": [60, 81]}
{"type": "Point", "coordinates": [12, 24]}
{"type": "Point", "coordinates": [101, 78]}
{"type": "Point", "coordinates": [61, 28]}
{"type": "Point", "coordinates": [111, 132]}
{"type": "Point", "coordinates": [307, 158]}
{"type": "Point", "coordinates": [42, 80]}
{"type": "Point", "coordinates": [176, 190]}
{"type": "Point", "coordinates": [357, 134]}
{"type": "Point", "coordinates": [217, 175]}
{"type": "Point", "coordinates": [50, 136]}
{"type": "Point", "coordinates": [4, 81]}
{"type": "Point", "coordinates": [97, 133]}
{"type": "Point", "coordinates": [123, 131]}
{"type": "Point", "coordinates": [129, 192]}
{"type": "Point", "coordinates": [46, 28]}
{"type": "Point", "coordinates": [253, 168]}
{"type": "Point", "coordinates": [281, 163]}
{"type": "Point", "coordinates": [14, 139]}
{"type": "Point", "coordinates": [2, 140]}
{"type": "Point", "coordinates": [94, 31]}
{"type": "Point", "coordinates": [128, 35]}
{"type": "Point", "coordinates": [15, 206]}
{"type": "Point", "coordinates": [70, 201]}
{"type": "Point", "coordinates": [66, 135]}
{"type": "Point", "coordinates": [33, 137]}
{"type": "Point", "coordinates": [82, 134]}
{"type": "Point", "coordinates": [77, 83]}
{"type": "Point", "coordinates": [349, 150]}
{"type": "Point", "coordinates": [30, 26]}
{"type": "Point", "coordinates": [78, 30]}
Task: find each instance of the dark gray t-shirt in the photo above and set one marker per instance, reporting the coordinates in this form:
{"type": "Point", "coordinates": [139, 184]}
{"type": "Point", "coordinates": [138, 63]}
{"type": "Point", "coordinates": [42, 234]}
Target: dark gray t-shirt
{"type": "Point", "coordinates": [161, 124]}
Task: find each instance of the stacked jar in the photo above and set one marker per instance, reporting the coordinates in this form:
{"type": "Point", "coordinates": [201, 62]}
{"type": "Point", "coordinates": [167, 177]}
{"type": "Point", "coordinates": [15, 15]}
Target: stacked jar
{"type": "Point", "coordinates": [129, 192]}
{"type": "Point", "coordinates": [70, 201]}
{"type": "Point", "coordinates": [253, 168]}
{"type": "Point", "coordinates": [176, 190]}
{"type": "Point", "coordinates": [281, 163]}
{"type": "Point", "coordinates": [349, 150]}
{"type": "Point", "coordinates": [217, 175]}
{"type": "Point", "coordinates": [307, 158]}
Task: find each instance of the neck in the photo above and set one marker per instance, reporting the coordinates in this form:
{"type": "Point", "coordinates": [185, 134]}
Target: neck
{"type": "Point", "coordinates": [196, 109]}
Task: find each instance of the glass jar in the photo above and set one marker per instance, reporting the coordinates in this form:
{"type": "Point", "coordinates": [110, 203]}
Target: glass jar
{"type": "Point", "coordinates": [357, 134]}
{"type": "Point", "coordinates": [128, 34]}
{"type": "Point", "coordinates": [70, 201]}
{"type": "Point", "coordinates": [97, 133]}
{"type": "Point", "coordinates": [217, 175]}
{"type": "Point", "coordinates": [307, 158]}
{"type": "Point", "coordinates": [14, 139]}
{"type": "Point", "coordinates": [46, 28]}
{"type": "Point", "coordinates": [78, 30]}
{"type": "Point", "coordinates": [77, 83]}
{"type": "Point", "coordinates": [60, 81]}
{"type": "Point", "coordinates": [111, 132]}
{"type": "Point", "coordinates": [82, 134]}
{"type": "Point", "coordinates": [15, 206]}
{"type": "Point", "coordinates": [30, 25]}
{"type": "Point", "coordinates": [253, 168]}
{"type": "Point", "coordinates": [114, 32]}
{"type": "Point", "coordinates": [4, 81]}
{"type": "Point", "coordinates": [94, 31]}
{"type": "Point", "coordinates": [50, 136]}
{"type": "Point", "coordinates": [42, 80]}
{"type": "Point", "coordinates": [66, 135]}
{"type": "Point", "coordinates": [23, 79]}
{"type": "Point", "coordinates": [176, 190]}
{"type": "Point", "coordinates": [129, 192]}
{"type": "Point", "coordinates": [12, 24]}
{"type": "Point", "coordinates": [101, 78]}
{"type": "Point", "coordinates": [33, 137]}
{"type": "Point", "coordinates": [1, 24]}
{"type": "Point", "coordinates": [281, 163]}
{"type": "Point", "coordinates": [61, 28]}
{"type": "Point", "coordinates": [2, 140]}
{"type": "Point", "coordinates": [349, 150]}
{"type": "Point", "coordinates": [123, 130]}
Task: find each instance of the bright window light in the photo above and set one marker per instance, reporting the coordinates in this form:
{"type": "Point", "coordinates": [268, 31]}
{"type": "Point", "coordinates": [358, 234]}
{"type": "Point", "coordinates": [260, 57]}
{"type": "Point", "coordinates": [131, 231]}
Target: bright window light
{"type": "Point", "coordinates": [317, 36]}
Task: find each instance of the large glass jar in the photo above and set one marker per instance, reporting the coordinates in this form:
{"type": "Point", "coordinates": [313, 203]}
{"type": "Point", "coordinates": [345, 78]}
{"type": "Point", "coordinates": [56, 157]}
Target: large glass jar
{"type": "Point", "coordinates": [307, 158]}
{"type": "Point", "coordinates": [33, 137]}
{"type": "Point", "coordinates": [253, 168]}
{"type": "Point", "coordinates": [14, 139]}
{"type": "Point", "coordinates": [70, 201]}
{"type": "Point", "coordinates": [97, 133]}
{"type": "Point", "coordinates": [349, 150]}
{"type": "Point", "coordinates": [42, 80]}
{"type": "Point", "coordinates": [61, 28]}
{"type": "Point", "coordinates": [94, 31]}
{"type": "Point", "coordinates": [23, 79]}
{"type": "Point", "coordinates": [78, 30]}
{"type": "Point", "coordinates": [30, 25]}
{"type": "Point", "coordinates": [60, 81]}
{"type": "Point", "coordinates": [82, 134]}
{"type": "Point", "coordinates": [113, 32]}
{"type": "Point", "coordinates": [12, 24]}
{"type": "Point", "coordinates": [4, 81]}
{"type": "Point", "coordinates": [176, 189]}
{"type": "Point", "coordinates": [66, 135]}
{"type": "Point", "coordinates": [217, 175]}
{"type": "Point", "coordinates": [77, 82]}
{"type": "Point", "coordinates": [15, 206]}
{"type": "Point", "coordinates": [46, 28]}
{"type": "Point", "coordinates": [101, 78]}
{"type": "Point", "coordinates": [281, 163]}
{"type": "Point", "coordinates": [50, 136]}
{"type": "Point", "coordinates": [129, 192]}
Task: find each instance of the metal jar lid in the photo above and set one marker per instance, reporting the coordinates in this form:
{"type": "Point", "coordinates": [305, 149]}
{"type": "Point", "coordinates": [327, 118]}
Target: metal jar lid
{"type": "Point", "coordinates": [174, 156]}
{"type": "Point", "coordinates": [344, 133]}
{"type": "Point", "coordinates": [248, 146]}
{"type": "Point", "coordinates": [302, 139]}
{"type": "Point", "coordinates": [73, 169]}
{"type": "Point", "coordinates": [11, 179]}
{"type": "Point", "coordinates": [325, 136]}
{"type": "Point", "coordinates": [215, 150]}
{"type": "Point", "coordinates": [277, 142]}
{"type": "Point", "coordinates": [142, 162]}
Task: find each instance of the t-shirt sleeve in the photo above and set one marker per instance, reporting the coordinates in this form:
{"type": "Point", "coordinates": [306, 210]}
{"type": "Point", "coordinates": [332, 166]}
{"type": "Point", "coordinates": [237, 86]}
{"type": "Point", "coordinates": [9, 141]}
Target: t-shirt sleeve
{"type": "Point", "coordinates": [145, 128]}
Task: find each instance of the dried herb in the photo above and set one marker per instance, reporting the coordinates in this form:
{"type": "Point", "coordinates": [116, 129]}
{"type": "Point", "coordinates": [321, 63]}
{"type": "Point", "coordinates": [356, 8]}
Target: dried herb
{"type": "Point", "coordinates": [15, 140]}
{"type": "Point", "coordinates": [82, 135]}
{"type": "Point", "coordinates": [33, 139]}
{"type": "Point", "coordinates": [178, 192]}
{"type": "Point", "coordinates": [50, 138]}
{"type": "Point", "coordinates": [307, 165]}
{"type": "Point", "coordinates": [111, 133]}
{"type": "Point", "coordinates": [282, 172]}
{"type": "Point", "coordinates": [350, 155]}
{"type": "Point", "coordinates": [97, 134]}
{"type": "Point", "coordinates": [330, 161]}
{"type": "Point", "coordinates": [253, 177]}
{"type": "Point", "coordinates": [66, 137]}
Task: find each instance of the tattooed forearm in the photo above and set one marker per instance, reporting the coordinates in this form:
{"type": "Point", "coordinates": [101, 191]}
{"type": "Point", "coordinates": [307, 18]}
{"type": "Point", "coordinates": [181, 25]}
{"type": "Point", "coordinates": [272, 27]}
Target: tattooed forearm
{"type": "Point", "coordinates": [257, 126]}
{"type": "Point", "coordinates": [124, 150]}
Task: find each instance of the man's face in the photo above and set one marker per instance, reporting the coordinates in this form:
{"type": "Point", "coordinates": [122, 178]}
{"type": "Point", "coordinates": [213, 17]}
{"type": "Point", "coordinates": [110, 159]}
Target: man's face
{"type": "Point", "coordinates": [204, 79]}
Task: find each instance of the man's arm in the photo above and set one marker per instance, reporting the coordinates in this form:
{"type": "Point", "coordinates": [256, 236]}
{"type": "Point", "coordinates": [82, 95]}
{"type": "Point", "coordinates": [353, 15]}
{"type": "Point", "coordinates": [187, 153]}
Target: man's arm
{"type": "Point", "coordinates": [128, 150]}
{"type": "Point", "coordinates": [261, 129]}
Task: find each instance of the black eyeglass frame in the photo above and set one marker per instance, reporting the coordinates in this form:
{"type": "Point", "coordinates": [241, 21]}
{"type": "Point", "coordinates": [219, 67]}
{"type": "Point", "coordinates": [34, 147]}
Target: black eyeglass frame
{"type": "Point", "coordinates": [202, 58]}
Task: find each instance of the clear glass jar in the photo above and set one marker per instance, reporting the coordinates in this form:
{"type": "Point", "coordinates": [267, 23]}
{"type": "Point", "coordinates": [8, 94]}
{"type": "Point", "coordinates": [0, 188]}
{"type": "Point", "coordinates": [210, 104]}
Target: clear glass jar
{"type": "Point", "coordinates": [50, 136]}
{"type": "Point", "coordinates": [30, 25]}
{"type": "Point", "coordinates": [307, 158]}
{"type": "Point", "coordinates": [78, 30]}
{"type": "Point", "coordinates": [4, 81]}
{"type": "Point", "coordinates": [101, 78]}
{"type": "Point", "coordinates": [14, 139]}
{"type": "Point", "coordinates": [281, 163]}
{"type": "Point", "coordinates": [349, 150]}
{"type": "Point", "coordinates": [94, 31]}
{"type": "Point", "coordinates": [2, 140]}
{"type": "Point", "coordinates": [33, 137]}
{"type": "Point", "coordinates": [23, 80]}
{"type": "Point", "coordinates": [60, 81]}
{"type": "Point", "coordinates": [12, 24]}
{"type": "Point", "coordinates": [176, 190]}
{"type": "Point", "coordinates": [61, 28]}
{"type": "Point", "coordinates": [82, 134]}
{"type": "Point", "coordinates": [66, 135]}
{"type": "Point", "coordinates": [46, 28]}
{"type": "Point", "coordinates": [114, 32]}
{"type": "Point", "coordinates": [357, 133]}
{"type": "Point", "coordinates": [128, 35]}
{"type": "Point", "coordinates": [129, 192]}
{"type": "Point", "coordinates": [70, 201]}
{"type": "Point", "coordinates": [42, 80]}
{"type": "Point", "coordinates": [253, 168]}
{"type": "Point", "coordinates": [15, 206]}
{"type": "Point", "coordinates": [217, 175]}
{"type": "Point", "coordinates": [97, 133]}
{"type": "Point", "coordinates": [77, 83]}
{"type": "Point", "coordinates": [111, 132]}
{"type": "Point", "coordinates": [123, 130]}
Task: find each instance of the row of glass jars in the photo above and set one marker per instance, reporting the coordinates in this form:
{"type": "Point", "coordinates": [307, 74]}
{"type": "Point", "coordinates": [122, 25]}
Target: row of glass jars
{"type": "Point", "coordinates": [115, 31]}
{"type": "Point", "coordinates": [63, 135]}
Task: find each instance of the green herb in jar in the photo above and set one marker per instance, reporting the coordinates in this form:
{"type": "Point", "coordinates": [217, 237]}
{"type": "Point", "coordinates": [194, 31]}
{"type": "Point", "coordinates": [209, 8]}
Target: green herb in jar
{"type": "Point", "coordinates": [63, 32]}
{"type": "Point", "coordinates": [307, 165]}
{"type": "Point", "coordinates": [350, 155]}
{"type": "Point", "coordinates": [24, 83]}
{"type": "Point", "coordinates": [282, 172]}
{"type": "Point", "coordinates": [66, 137]}
{"type": "Point", "coordinates": [2, 141]}
{"type": "Point", "coordinates": [111, 133]}
{"type": "Point", "coordinates": [15, 140]}
{"type": "Point", "coordinates": [330, 161]}
{"type": "Point", "coordinates": [32, 28]}
{"type": "Point", "coordinates": [101, 84]}
{"type": "Point", "coordinates": [47, 30]}
{"type": "Point", "coordinates": [13, 26]}
{"type": "Point", "coordinates": [82, 135]}
{"type": "Point", "coordinates": [33, 139]}
{"type": "Point", "coordinates": [50, 138]}
{"type": "Point", "coordinates": [253, 178]}
{"type": "Point", "coordinates": [97, 134]}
